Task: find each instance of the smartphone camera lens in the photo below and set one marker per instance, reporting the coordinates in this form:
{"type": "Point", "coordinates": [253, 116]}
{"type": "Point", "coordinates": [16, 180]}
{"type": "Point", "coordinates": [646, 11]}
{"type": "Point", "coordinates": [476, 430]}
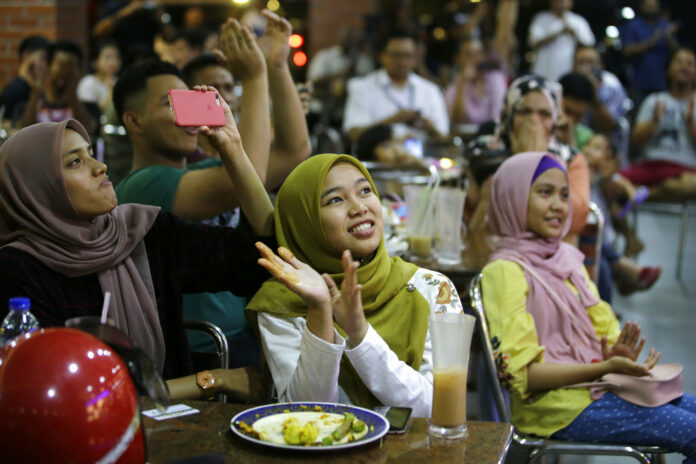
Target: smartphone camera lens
{"type": "Point", "coordinates": [217, 99]}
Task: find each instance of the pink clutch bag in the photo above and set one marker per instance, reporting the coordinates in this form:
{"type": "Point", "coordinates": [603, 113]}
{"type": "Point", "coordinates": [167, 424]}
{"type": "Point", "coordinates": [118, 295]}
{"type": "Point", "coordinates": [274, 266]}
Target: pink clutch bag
{"type": "Point", "coordinates": [662, 385]}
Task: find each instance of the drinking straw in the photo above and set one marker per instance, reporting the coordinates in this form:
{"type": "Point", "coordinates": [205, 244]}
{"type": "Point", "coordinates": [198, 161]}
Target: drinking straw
{"type": "Point", "coordinates": [428, 200]}
{"type": "Point", "coordinates": [105, 308]}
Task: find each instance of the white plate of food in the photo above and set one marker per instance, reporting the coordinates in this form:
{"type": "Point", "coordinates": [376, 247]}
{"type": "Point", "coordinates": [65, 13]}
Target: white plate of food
{"type": "Point", "coordinates": [309, 426]}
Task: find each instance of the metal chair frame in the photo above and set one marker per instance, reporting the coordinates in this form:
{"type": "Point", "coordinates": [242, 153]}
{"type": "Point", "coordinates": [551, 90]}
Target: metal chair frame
{"type": "Point", "coordinates": [543, 446]}
{"type": "Point", "coordinates": [595, 216]}
{"type": "Point", "coordinates": [681, 209]}
{"type": "Point", "coordinates": [220, 340]}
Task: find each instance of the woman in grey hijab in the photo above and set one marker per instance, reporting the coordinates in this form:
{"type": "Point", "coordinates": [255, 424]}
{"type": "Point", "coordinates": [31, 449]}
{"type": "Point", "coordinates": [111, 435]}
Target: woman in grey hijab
{"type": "Point", "coordinates": [64, 243]}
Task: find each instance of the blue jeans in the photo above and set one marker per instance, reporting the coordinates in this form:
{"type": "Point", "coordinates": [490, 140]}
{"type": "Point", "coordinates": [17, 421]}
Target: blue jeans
{"type": "Point", "coordinates": [613, 420]}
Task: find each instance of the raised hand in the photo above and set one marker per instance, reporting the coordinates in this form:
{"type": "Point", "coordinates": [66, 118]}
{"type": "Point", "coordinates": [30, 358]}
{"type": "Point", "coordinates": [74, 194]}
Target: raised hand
{"type": "Point", "coordinates": [223, 136]}
{"type": "Point", "coordinates": [405, 116]}
{"type": "Point", "coordinates": [274, 42]}
{"type": "Point", "coordinates": [529, 137]}
{"type": "Point", "coordinates": [296, 275]}
{"type": "Point", "coordinates": [33, 71]}
{"type": "Point", "coordinates": [347, 303]}
{"type": "Point", "coordinates": [659, 111]}
{"type": "Point", "coordinates": [671, 29]}
{"type": "Point", "coordinates": [628, 345]}
{"type": "Point", "coordinates": [689, 113]}
{"type": "Point", "coordinates": [240, 53]}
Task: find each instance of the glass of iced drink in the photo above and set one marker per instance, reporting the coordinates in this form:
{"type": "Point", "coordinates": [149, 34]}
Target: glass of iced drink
{"type": "Point", "coordinates": [420, 221]}
{"type": "Point", "coordinates": [451, 338]}
{"type": "Point", "coordinates": [448, 225]}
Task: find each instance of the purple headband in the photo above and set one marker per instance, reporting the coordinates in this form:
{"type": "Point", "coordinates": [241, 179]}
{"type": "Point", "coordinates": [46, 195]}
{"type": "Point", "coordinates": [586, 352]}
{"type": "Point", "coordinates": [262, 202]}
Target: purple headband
{"type": "Point", "coordinates": [546, 163]}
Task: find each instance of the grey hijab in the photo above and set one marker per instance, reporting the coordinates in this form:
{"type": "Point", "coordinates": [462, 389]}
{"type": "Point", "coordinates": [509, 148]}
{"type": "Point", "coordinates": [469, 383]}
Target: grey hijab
{"type": "Point", "coordinates": [37, 217]}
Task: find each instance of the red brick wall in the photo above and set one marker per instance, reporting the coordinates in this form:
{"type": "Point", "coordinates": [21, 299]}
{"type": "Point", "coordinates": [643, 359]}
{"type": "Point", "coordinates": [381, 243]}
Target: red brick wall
{"type": "Point", "coordinates": [327, 17]}
{"type": "Point", "coordinates": [65, 19]}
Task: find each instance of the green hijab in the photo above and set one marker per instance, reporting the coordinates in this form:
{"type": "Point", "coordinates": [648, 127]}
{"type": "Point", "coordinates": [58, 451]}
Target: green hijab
{"type": "Point", "coordinates": [397, 313]}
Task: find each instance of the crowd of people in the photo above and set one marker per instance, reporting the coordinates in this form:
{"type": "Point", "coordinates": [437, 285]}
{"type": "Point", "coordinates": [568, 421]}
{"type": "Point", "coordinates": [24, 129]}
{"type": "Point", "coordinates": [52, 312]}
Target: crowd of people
{"type": "Point", "coordinates": [182, 225]}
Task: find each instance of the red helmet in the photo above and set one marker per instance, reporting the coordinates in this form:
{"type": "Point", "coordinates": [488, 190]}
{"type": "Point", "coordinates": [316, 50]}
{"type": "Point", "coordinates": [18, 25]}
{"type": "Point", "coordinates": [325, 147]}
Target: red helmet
{"type": "Point", "coordinates": [67, 397]}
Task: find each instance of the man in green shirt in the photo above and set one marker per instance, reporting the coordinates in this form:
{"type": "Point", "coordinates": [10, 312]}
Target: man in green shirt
{"type": "Point", "coordinates": [204, 191]}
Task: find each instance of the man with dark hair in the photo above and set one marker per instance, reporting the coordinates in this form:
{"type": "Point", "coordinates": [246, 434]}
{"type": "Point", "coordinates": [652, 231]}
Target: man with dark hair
{"type": "Point", "coordinates": [186, 45]}
{"type": "Point", "coordinates": [206, 69]}
{"type": "Point", "coordinates": [161, 177]}
{"type": "Point", "coordinates": [160, 147]}
{"type": "Point", "coordinates": [202, 191]}
{"type": "Point", "coordinates": [56, 99]}
{"type": "Point", "coordinates": [607, 113]}
{"type": "Point", "coordinates": [579, 95]}
{"type": "Point", "coordinates": [32, 72]}
{"type": "Point", "coordinates": [395, 95]}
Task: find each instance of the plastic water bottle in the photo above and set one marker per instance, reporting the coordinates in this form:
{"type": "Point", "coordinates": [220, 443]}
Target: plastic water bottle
{"type": "Point", "coordinates": [19, 320]}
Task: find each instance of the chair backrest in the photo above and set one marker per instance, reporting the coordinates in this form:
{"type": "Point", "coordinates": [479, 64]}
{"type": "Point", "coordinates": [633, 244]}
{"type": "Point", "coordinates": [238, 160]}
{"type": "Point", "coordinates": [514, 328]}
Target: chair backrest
{"type": "Point", "coordinates": [476, 299]}
{"type": "Point", "coordinates": [220, 341]}
{"type": "Point", "coordinates": [590, 242]}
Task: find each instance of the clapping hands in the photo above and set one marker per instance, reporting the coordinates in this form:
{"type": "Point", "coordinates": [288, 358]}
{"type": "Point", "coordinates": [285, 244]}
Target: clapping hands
{"type": "Point", "coordinates": [347, 303]}
{"type": "Point", "coordinates": [623, 355]}
{"type": "Point", "coordinates": [274, 42]}
{"type": "Point", "coordinates": [530, 136]}
{"type": "Point", "coordinates": [320, 292]}
{"type": "Point", "coordinates": [299, 277]}
{"type": "Point", "coordinates": [240, 53]}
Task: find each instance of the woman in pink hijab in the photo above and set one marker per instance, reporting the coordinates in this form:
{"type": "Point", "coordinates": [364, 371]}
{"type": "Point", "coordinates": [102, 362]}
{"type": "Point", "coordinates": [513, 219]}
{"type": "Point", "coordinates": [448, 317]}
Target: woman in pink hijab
{"type": "Point", "coordinates": [551, 330]}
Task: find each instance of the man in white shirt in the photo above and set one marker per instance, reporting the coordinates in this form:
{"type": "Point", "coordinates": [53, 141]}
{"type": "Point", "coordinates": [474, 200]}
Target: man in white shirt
{"type": "Point", "coordinates": [394, 95]}
{"type": "Point", "coordinates": [553, 35]}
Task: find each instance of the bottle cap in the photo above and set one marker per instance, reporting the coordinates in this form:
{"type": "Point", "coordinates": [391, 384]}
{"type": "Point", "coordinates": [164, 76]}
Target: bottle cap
{"type": "Point", "coordinates": [19, 303]}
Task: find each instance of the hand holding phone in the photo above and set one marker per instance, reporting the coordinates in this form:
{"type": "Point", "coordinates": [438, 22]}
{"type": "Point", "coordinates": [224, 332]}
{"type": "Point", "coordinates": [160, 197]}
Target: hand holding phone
{"type": "Point", "coordinates": [194, 108]}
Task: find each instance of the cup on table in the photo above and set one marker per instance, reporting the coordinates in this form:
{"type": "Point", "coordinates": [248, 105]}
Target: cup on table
{"type": "Point", "coordinates": [448, 225]}
{"type": "Point", "coordinates": [87, 322]}
{"type": "Point", "coordinates": [419, 222]}
{"type": "Point", "coordinates": [451, 338]}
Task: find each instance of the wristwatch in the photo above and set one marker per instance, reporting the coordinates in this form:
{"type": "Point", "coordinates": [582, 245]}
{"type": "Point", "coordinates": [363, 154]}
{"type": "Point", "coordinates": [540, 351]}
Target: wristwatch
{"type": "Point", "coordinates": [205, 380]}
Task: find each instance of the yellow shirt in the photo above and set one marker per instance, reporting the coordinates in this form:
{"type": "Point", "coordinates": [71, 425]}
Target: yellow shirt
{"type": "Point", "coordinates": [513, 334]}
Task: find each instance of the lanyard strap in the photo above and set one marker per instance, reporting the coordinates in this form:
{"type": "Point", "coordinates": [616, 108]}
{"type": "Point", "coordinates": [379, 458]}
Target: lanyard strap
{"type": "Point", "coordinates": [391, 98]}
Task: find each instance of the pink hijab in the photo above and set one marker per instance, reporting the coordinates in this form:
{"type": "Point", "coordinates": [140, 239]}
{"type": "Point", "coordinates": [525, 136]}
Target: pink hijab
{"type": "Point", "coordinates": [567, 339]}
{"type": "Point", "coordinates": [37, 217]}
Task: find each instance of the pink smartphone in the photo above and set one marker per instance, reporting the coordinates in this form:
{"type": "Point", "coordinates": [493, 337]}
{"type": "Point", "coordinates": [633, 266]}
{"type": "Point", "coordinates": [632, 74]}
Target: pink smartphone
{"type": "Point", "coordinates": [195, 108]}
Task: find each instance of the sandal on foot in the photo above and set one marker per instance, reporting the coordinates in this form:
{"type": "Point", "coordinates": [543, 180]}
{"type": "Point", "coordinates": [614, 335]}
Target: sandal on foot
{"type": "Point", "coordinates": [646, 279]}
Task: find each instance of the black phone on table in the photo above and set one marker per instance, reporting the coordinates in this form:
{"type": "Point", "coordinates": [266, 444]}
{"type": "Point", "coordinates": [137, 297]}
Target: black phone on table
{"type": "Point", "coordinates": [399, 418]}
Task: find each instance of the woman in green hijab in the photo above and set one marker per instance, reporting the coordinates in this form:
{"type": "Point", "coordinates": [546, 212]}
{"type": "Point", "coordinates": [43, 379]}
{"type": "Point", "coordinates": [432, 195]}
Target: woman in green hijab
{"type": "Point", "coordinates": [338, 330]}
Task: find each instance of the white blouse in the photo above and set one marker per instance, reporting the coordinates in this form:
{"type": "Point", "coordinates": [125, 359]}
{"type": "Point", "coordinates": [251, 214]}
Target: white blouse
{"type": "Point", "coordinates": [305, 367]}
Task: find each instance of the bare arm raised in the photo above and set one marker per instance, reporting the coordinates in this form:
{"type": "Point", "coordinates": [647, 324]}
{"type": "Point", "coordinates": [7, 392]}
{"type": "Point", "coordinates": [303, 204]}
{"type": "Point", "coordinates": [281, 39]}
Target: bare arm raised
{"type": "Point", "coordinates": [253, 198]}
{"type": "Point", "coordinates": [290, 144]}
